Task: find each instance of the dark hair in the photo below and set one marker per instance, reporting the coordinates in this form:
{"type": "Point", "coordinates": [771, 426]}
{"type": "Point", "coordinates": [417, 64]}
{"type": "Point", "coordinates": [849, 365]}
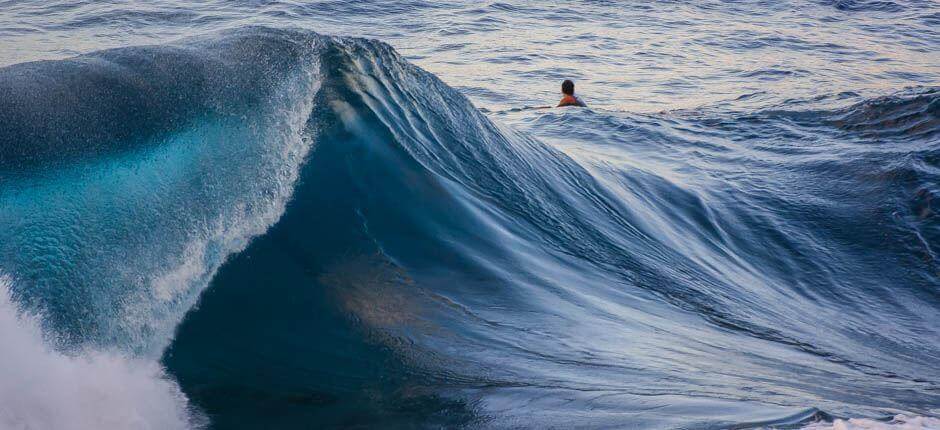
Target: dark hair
{"type": "Point", "coordinates": [567, 87]}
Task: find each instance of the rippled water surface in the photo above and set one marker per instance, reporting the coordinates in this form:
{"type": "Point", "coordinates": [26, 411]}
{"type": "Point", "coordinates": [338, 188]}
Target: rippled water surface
{"type": "Point", "coordinates": [358, 214]}
{"type": "Point", "coordinates": [637, 56]}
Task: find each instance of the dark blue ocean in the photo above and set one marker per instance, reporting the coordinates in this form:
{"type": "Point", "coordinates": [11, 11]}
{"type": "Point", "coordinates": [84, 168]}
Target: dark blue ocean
{"type": "Point", "coordinates": [278, 214]}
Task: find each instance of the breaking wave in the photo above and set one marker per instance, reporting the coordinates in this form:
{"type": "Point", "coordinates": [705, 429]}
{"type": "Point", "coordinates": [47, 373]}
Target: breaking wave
{"type": "Point", "coordinates": [366, 247]}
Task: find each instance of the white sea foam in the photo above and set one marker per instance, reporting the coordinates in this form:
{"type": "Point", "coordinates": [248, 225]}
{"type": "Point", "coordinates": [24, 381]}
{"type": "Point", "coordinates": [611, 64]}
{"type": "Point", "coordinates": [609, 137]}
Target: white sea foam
{"type": "Point", "coordinates": [900, 422]}
{"type": "Point", "coordinates": [42, 388]}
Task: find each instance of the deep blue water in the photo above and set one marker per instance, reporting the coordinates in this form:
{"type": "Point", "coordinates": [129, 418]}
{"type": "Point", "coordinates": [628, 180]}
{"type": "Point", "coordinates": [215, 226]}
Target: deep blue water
{"type": "Point", "coordinates": [342, 214]}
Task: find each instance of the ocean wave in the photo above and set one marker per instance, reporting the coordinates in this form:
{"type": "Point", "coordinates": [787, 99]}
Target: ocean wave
{"type": "Point", "coordinates": [369, 248]}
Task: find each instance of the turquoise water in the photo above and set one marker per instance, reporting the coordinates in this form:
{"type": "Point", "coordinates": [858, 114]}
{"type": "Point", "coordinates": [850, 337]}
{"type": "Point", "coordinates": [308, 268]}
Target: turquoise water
{"type": "Point", "coordinates": [354, 214]}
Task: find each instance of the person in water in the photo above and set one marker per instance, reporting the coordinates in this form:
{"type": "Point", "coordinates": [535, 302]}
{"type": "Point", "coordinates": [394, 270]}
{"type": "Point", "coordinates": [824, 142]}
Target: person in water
{"type": "Point", "coordinates": [569, 99]}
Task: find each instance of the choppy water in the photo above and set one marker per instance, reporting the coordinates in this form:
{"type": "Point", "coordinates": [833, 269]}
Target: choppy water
{"type": "Point", "coordinates": [216, 214]}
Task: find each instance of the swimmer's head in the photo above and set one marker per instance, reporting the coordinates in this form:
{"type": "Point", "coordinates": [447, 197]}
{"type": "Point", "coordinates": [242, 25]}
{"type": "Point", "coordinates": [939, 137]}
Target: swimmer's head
{"type": "Point", "coordinates": [567, 87]}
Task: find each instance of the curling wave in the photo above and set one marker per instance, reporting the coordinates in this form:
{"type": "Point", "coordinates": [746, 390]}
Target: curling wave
{"type": "Point", "coordinates": [370, 248]}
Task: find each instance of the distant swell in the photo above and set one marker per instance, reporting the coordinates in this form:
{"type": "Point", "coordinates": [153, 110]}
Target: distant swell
{"type": "Point", "coordinates": [916, 115]}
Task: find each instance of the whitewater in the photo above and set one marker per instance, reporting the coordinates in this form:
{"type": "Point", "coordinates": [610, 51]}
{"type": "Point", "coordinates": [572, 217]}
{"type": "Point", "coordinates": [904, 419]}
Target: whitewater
{"type": "Point", "coordinates": [282, 214]}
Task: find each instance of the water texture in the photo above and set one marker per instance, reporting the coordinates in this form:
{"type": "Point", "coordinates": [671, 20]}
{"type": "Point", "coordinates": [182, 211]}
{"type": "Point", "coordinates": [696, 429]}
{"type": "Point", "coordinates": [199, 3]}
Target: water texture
{"type": "Point", "coordinates": [354, 215]}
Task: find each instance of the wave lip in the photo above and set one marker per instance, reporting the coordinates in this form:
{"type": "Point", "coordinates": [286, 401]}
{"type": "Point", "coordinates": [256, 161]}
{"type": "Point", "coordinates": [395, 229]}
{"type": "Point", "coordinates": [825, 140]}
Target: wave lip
{"type": "Point", "coordinates": [111, 101]}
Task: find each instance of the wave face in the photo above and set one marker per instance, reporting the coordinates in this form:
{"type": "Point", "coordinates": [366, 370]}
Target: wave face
{"type": "Point", "coordinates": [370, 249]}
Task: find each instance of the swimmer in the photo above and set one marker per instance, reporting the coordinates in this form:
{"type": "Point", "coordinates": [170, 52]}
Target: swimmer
{"type": "Point", "coordinates": [569, 99]}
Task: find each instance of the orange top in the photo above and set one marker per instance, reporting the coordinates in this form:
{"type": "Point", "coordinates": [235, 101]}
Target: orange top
{"type": "Point", "coordinates": [569, 100]}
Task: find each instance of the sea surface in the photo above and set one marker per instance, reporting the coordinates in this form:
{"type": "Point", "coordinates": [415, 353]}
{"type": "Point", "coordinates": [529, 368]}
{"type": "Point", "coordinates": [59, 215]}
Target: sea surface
{"type": "Point", "coordinates": [360, 214]}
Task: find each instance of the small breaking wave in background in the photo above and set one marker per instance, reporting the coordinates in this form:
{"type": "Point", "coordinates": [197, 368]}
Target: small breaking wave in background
{"type": "Point", "coordinates": [213, 216]}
